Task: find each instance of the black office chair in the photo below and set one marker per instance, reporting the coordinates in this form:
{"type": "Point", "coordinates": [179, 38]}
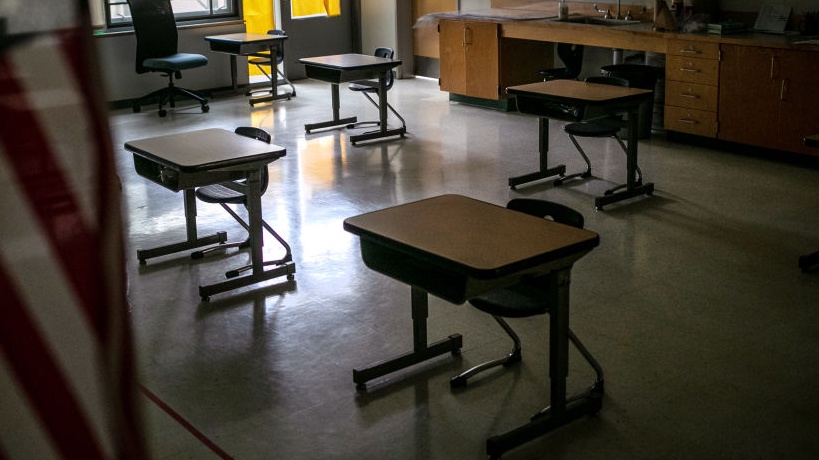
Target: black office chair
{"type": "Point", "coordinates": [156, 51]}
{"type": "Point", "coordinates": [599, 128]}
{"type": "Point", "coordinates": [572, 57]}
{"type": "Point", "coordinates": [262, 62]}
{"type": "Point", "coordinates": [367, 87]}
{"type": "Point", "coordinates": [527, 298]}
{"type": "Point", "coordinates": [230, 193]}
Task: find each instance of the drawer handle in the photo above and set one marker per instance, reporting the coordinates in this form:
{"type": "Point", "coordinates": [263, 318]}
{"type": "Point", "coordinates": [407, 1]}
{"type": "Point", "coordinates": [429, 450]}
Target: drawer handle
{"type": "Point", "coordinates": [689, 121]}
{"type": "Point", "coordinates": [690, 50]}
{"type": "Point", "coordinates": [689, 96]}
{"type": "Point", "coordinates": [686, 69]}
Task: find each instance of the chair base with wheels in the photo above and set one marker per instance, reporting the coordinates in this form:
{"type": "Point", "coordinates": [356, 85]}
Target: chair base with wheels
{"type": "Point", "coordinates": [169, 94]}
{"type": "Point", "coordinates": [526, 299]}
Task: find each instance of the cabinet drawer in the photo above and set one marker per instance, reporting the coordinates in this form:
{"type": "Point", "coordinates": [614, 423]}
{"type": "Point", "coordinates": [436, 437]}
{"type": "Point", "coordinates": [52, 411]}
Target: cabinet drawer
{"type": "Point", "coordinates": [691, 48]}
{"type": "Point", "coordinates": [692, 121]}
{"type": "Point", "coordinates": [691, 95]}
{"type": "Point", "coordinates": [694, 70]}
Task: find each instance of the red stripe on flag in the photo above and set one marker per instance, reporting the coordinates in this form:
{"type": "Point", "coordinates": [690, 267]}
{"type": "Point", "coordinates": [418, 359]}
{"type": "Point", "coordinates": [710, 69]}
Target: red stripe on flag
{"type": "Point", "coordinates": [41, 179]}
{"type": "Point", "coordinates": [41, 380]}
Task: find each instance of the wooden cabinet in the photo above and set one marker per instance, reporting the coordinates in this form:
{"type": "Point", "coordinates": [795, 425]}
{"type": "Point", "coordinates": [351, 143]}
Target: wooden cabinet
{"type": "Point", "coordinates": [691, 88]}
{"type": "Point", "coordinates": [768, 97]}
{"type": "Point", "coordinates": [476, 62]}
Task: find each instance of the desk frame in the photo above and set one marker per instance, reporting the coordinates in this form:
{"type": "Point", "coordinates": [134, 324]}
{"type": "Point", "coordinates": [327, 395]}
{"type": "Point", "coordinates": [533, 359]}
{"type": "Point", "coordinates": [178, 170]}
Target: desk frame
{"type": "Point", "coordinates": [343, 68]}
{"type": "Point", "coordinates": [157, 160]}
{"type": "Point", "coordinates": [534, 99]}
{"type": "Point", "coordinates": [241, 44]}
{"type": "Point", "coordinates": [392, 234]}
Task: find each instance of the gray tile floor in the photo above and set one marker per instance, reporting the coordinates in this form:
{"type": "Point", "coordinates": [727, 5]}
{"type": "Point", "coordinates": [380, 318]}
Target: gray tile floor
{"type": "Point", "coordinates": [693, 303]}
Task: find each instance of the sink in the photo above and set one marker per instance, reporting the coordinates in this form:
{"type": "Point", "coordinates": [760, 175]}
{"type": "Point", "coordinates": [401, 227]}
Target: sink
{"type": "Point", "coordinates": [598, 21]}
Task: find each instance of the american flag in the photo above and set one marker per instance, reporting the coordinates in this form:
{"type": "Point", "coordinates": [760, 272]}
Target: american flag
{"type": "Point", "coordinates": [67, 386]}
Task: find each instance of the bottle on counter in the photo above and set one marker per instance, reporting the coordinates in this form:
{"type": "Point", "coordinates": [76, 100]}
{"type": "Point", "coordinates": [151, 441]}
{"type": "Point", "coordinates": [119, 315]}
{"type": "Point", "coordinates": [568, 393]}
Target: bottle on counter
{"type": "Point", "coordinates": [562, 10]}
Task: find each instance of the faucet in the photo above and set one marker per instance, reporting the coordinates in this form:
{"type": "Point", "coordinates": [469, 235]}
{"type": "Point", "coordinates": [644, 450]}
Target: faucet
{"type": "Point", "coordinates": [607, 12]}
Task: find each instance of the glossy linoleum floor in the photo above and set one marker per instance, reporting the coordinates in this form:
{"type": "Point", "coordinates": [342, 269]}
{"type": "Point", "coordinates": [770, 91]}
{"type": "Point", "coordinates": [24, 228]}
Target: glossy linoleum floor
{"type": "Point", "coordinates": [693, 303]}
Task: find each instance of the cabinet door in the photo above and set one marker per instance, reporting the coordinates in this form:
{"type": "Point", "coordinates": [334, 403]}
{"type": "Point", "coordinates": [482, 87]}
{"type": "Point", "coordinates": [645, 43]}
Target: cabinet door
{"type": "Point", "coordinates": [469, 58]}
{"type": "Point", "coordinates": [799, 104]}
{"type": "Point", "coordinates": [453, 56]}
{"type": "Point", "coordinates": [748, 95]}
{"type": "Point", "coordinates": [482, 57]}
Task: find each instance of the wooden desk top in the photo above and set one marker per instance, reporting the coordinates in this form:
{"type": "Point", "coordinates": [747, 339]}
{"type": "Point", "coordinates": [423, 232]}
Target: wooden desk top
{"type": "Point", "coordinates": [473, 237]}
{"type": "Point", "coordinates": [579, 91]}
{"type": "Point", "coordinates": [351, 61]}
{"type": "Point", "coordinates": [206, 149]}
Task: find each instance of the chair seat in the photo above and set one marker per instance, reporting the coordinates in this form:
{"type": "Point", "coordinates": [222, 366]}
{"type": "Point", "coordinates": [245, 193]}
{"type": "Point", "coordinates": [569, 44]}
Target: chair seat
{"type": "Point", "coordinates": [218, 193]}
{"type": "Point", "coordinates": [174, 62]}
{"type": "Point", "coordinates": [595, 128]}
{"type": "Point", "coordinates": [259, 60]}
{"type": "Point", "coordinates": [518, 301]}
{"type": "Point", "coordinates": [364, 85]}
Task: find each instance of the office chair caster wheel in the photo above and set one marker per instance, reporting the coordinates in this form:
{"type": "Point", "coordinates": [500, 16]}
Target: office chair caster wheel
{"type": "Point", "coordinates": [162, 112]}
{"type": "Point", "coordinates": [136, 108]}
{"type": "Point", "coordinates": [205, 108]}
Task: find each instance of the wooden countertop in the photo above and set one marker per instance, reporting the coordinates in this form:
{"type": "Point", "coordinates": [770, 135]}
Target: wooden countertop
{"type": "Point", "coordinates": [639, 36]}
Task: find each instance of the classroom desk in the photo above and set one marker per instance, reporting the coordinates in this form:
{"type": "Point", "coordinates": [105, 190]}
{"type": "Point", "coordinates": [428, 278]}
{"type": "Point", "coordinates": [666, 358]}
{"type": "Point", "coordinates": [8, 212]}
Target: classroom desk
{"type": "Point", "coordinates": [457, 248]}
{"type": "Point", "coordinates": [343, 68]}
{"type": "Point", "coordinates": [808, 261]}
{"type": "Point", "coordinates": [242, 44]}
{"type": "Point", "coordinates": [570, 100]}
{"type": "Point", "coordinates": [182, 162]}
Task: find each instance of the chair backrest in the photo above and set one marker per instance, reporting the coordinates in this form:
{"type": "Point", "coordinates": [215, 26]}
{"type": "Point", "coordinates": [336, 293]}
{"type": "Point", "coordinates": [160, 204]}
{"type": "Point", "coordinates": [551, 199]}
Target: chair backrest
{"type": "Point", "coordinates": [155, 30]}
{"type": "Point", "coordinates": [280, 48]}
{"type": "Point", "coordinates": [547, 210]}
{"type": "Point", "coordinates": [387, 53]}
{"type": "Point", "coordinates": [614, 81]}
{"type": "Point", "coordinates": [572, 57]}
{"type": "Point", "coordinates": [261, 135]}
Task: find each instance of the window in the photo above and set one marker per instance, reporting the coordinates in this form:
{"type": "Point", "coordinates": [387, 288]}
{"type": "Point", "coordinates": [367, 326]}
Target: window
{"type": "Point", "coordinates": [117, 13]}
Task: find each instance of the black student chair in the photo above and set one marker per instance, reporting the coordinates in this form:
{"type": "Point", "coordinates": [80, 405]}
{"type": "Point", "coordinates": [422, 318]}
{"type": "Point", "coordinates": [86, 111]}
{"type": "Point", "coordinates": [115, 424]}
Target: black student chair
{"type": "Point", "coordinates": [156, 51]}
{"type": "Point", "coordinates": [233, 194]}
{"type": "Point", "coordinates": [367, 87]}
{"type": "Point", "coordinates": [599, 128]}
{"type": "Point", "coordinates": [263, 62]}
{"type": "Point", "coordinates": [572, 57]}
{"type": "Point", "coordinates": [528, 298]}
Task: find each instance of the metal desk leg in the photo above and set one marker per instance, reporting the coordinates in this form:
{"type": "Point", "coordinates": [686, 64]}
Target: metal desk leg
{"type": "Point", "coordinates": [382, 130]}
{"type": "Point", "coordinates": [544, 171]}
{"type": "Point", "coordinates": [561, 411]}
{"type": "Point", "coordinates": [192, 241]}
{"type": "Point", "coordinates": [258, 274]}
{"type": "Point", "coordinates": [421, 351]}
{"type": "Point", "coordinates": [633, 188]}
{"type": "Point", "coordinates": [336, 121]}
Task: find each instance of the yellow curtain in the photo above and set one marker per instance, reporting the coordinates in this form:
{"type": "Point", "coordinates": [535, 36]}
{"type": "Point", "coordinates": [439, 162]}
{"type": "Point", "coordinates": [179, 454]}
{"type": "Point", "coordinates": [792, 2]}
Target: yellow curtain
{"type": "Point", "coordinates": [314, 8]}
{"type": "Point", "coordinates": [258, 20]}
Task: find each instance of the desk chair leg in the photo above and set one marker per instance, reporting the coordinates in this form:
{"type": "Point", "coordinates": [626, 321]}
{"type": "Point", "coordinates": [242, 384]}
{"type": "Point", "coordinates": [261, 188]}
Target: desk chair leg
{"type": "Point", "coordinates": [225, 246]}
{"type": "Point", "coordinates": [288, 254]}
{"type": "Point", "coordinates": [362, 124]}
{"type": "Point", "coordinates": [639, 171]}
{"type": "Point", "coordinates": [585, 174]}
{"type": "Point", "coordinates": [513, 357]}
